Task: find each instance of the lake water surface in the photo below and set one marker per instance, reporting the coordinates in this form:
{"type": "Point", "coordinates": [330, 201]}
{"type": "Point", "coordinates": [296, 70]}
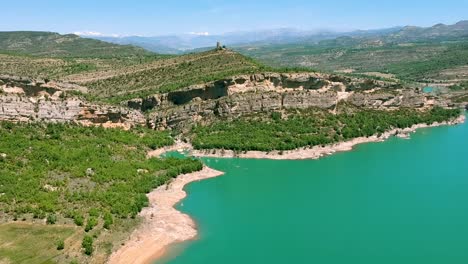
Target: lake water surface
{"type": "Point", "coordinates": [400, 201]}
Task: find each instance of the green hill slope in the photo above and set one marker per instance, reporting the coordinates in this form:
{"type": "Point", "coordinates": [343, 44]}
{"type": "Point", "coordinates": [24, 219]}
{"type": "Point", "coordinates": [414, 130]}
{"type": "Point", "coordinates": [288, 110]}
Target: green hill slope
{"type": "Point", "coordinates": [165, 75]}
{"type": "Point", "coordinates": [413, 53]}
{"type": "Point", "coordinates": [56, 45]}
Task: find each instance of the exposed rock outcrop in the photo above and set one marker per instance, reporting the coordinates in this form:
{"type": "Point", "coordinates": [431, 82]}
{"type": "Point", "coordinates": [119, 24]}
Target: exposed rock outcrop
{"type": "Point", "coordinates": [25, 100]}
{"type": "Point", "coordinates": [230, 86]}
{"type": "Point", "coordinates": [246, 94]}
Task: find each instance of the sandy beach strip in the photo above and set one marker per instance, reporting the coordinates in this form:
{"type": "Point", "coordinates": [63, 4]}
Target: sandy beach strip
{"type": "Point", "coordinates": [178, 146]}
{"type": "Point", "coordinates": [162, 224]}
{"type": "Point", "coordinates": [317, 152]}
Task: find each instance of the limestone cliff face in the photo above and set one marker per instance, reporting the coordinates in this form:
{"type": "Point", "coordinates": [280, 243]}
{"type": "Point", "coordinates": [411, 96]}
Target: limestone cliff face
{"type": "Point", "coordinates": [260, 83]}
{"type": "Point", "coordinates": [243, 95]}
{"type": "Point", "coordinates": [22, 108]}
{"type": "Point", "coordinates": [25, 101]}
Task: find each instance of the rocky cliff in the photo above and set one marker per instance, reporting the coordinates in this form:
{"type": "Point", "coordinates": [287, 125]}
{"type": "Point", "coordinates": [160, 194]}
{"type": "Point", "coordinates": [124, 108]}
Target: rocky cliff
{"type": "Point", "coordinates": [25, 100]}
{"type": "Point", "coordinates": [243, 95]}
{"type": "Point", "coordinates": [21, 100]}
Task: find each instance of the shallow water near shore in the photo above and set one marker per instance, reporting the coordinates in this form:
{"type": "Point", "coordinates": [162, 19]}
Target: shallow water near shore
{"type": "Point", "coordinates": [399, 201]}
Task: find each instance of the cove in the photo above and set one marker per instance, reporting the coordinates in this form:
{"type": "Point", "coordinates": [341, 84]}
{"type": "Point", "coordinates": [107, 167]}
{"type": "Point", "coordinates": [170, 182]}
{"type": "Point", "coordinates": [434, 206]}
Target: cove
{"type": "Point", "coordinates": [398, 201]}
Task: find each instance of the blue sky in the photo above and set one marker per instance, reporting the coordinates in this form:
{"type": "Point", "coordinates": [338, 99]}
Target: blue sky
{"type": "Point", "coordinates": [146, 17]}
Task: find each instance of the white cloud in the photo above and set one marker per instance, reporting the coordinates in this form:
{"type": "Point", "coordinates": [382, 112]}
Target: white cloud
{"type": "Point", "coordinates": [88, 33]}
{"type": "Point", "coordinates": [200, 33]}
{"type": "Point", "coordinates": [95, 34]}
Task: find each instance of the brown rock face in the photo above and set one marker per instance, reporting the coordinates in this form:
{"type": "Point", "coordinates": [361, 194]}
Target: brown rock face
{"type": "Point", "coordinates": [229, 98]}
{"type": "Point", "coordinates": [268, 92]}
{"type": "Point", "coordinates": [23, 99]}
{"type": "Point", "coordinates": [14, 107]}
{"type": "Point", "coordinates": [239, 84]}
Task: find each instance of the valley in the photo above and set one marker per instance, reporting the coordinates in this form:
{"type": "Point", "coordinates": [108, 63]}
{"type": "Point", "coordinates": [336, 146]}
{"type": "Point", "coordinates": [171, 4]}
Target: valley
{"type": "Point", "coordinates": [81, 122]}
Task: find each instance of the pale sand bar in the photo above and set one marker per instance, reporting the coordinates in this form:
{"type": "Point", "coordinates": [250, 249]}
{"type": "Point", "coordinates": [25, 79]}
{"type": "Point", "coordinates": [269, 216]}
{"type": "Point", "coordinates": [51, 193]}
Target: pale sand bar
{"type": "Point", "coordinates": [162, 223]}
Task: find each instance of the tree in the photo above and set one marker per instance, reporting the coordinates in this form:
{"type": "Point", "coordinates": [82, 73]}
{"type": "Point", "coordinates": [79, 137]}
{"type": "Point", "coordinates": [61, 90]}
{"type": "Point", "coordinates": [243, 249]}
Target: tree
{"type": "Point", "coordinates": [87, 245]}
{"type": "Point", "coordinates": [108, 220]}
{"type": "Point", "coordinates": [60, 244]}
{"type": "Point", "coordinates": [92, 222]}
{"type": "Point", "coordinates": [51, 219]}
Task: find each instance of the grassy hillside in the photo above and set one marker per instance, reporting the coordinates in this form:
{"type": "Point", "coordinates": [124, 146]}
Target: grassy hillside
{"type": "Point", "coordinates": [56, 68]}
{"type": "Point", "coordinates": [93, 180]}
{"type": "Point", "coordinates": [164, 74]}
{"type": "Point", "coordinates": [412, 53]}
{"type": "Point", "coordinates": [415, 61]}
{"type": "Point", "coordinates": [117, 79]}
{"type": "Point", "coordinates": [55, 45]}
{"type": "Point", "coordinates": [112, 72]}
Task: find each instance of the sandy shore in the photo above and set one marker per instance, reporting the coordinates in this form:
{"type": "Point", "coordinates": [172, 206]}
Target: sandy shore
{"type": "Point", "coordinates": [178, 146]}
{"type": "Point", "coordinates": [162, 223]}
{"type": "Point", "coordinates": [318, 151]}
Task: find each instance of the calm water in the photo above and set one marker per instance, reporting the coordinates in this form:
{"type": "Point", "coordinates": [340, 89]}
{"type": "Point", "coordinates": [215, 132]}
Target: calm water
{"type": "Point", "coordinates": [428, 89]}
{"type": "Point", "coordinates": [401, 201]}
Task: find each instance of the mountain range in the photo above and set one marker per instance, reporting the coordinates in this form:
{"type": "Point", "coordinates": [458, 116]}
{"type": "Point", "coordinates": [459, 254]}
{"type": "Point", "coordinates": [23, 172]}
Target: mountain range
{"type": "Point", "coordinates": [174, 44]}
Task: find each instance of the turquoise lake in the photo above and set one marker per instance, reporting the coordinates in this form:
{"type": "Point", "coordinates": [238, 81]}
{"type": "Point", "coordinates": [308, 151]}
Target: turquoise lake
{"type": "Point", "coordinates": [399, 201]}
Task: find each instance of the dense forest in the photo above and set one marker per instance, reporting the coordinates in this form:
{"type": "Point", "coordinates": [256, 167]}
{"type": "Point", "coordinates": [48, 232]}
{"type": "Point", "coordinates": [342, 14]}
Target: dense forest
{"type": "Point", "coordinates": [308, 128]}
{"type": "Point", "coordinates": [87, 176]}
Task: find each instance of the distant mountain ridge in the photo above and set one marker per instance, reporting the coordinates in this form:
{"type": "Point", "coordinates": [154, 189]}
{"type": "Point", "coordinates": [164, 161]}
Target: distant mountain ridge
{"type": "Point", "coordinates": [410, 33]}
{"type": "Point", "coordinates": [52, 44]}
{"type": "Point", "coordinates": [179, 43]}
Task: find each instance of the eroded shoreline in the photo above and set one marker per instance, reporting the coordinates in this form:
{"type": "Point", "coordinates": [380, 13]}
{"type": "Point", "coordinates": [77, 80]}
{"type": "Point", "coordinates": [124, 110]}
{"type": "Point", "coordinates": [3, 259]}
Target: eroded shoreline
{"type": "Point", "coordinates": [317, 152]}
{"type": "Point", "coordinates": [162, 224]}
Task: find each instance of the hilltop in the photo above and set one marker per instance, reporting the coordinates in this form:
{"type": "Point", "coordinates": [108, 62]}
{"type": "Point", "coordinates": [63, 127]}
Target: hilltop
{"type": "Point", "coordinates": [112, 72]}
{"type": "Point", "coordinates": [49, 44]}
{"type": "Point", "coordinates": [165, 74]}
{"type": "Point", "coordinates": [411, 33]}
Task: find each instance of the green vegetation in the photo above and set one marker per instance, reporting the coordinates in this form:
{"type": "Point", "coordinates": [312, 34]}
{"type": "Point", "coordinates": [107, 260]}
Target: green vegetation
{"type": "Point", "coordinates": [459, 87]}
{"type": "Point", "coordinates": [56, 68]}
{"type": "Point", "coordinates": [169, 74]}
{"type": "Point", "coordinates": [308, 128]}
{"type": "Point", "coordinates": [48, 44]}
{"type": "Point", "coordinates": [88, 177]}
{"type": "Point", "coordinates": [60, 244]}
{"type": "Point", "coordinates": [414, 61]}
{"type": "Point", "coordinates": [72, 171]}
{"type": "Point", "coordinates": [87, 245]}
{"type": "Point", "coordinates": [30, 243]}
{"type": "Point", "coordinates": [92, 222]}
{"type": "Point", "coordinates": [51, 219]}
{"type": "Point", "coordinates": [115, 73]}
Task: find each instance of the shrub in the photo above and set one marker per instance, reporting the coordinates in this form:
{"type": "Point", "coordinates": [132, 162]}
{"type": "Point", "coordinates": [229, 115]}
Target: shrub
{"type": "Point", "coordinates": [60, 245]}
{"type": "Point", "coordinates": [92, 222]}
{"type": "Point", "coordinates": [78, 219]}
{"type": "Point", "coordinates": [108, 220]}
{"type": "Point", "coordinates": [51, 219]}
{"type": "Point", "coordinates": [87, 245]}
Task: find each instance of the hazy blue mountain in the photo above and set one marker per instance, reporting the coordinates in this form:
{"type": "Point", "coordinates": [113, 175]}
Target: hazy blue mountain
{"type": "Point", "coordinates": [174, 44]}
{"type": "Point", "coordinates": [181, 43]}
